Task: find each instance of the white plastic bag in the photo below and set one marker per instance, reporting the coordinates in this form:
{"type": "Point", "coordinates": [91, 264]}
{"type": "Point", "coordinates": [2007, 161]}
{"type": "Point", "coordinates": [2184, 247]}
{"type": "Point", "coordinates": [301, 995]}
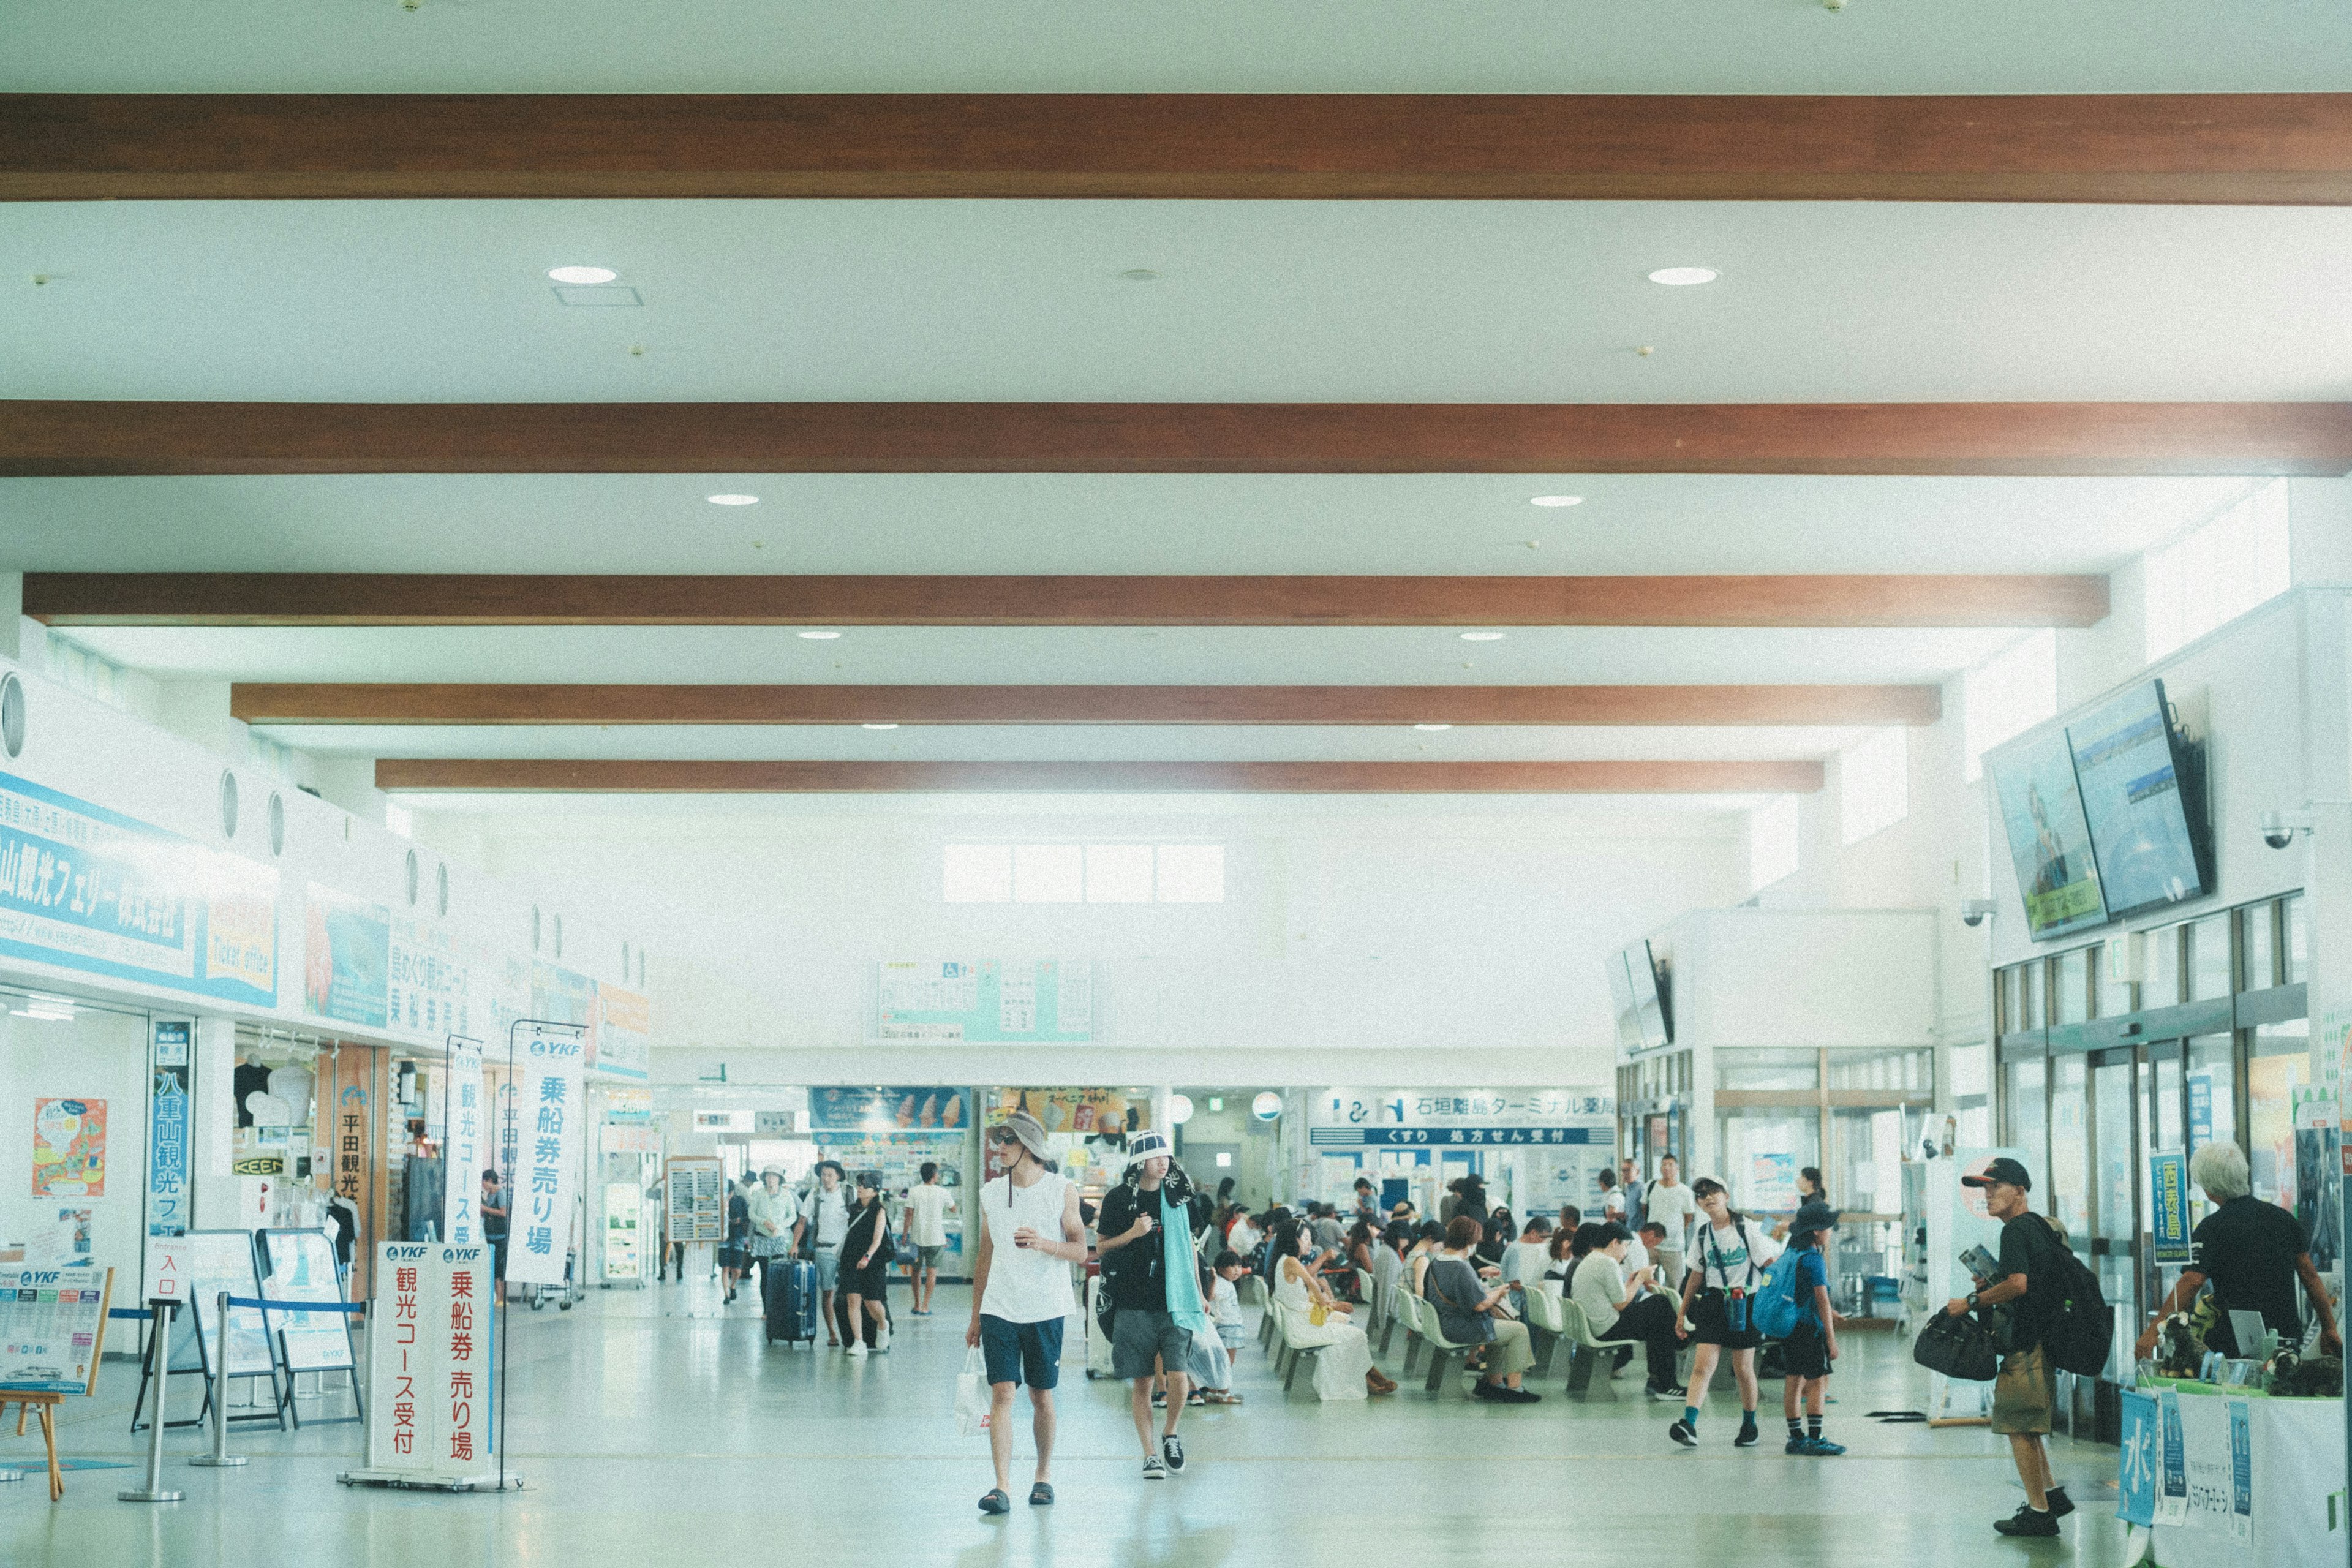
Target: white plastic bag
{"type": "Point", "coordinates": [973, 1402]}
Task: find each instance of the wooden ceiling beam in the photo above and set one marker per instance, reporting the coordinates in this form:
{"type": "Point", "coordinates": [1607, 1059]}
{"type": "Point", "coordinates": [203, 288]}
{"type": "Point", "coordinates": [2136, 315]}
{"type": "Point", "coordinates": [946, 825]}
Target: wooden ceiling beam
{"type": "Point", "coordinates": [438, 775]}
{"type": "Point", "coordinates": [2217, 148]}
{"type": "Point", "coordinates": [355, 599]}
{"type": "Point", "coordinates": [469, 705]}
{"type": "Point", "coordinates": [67, 439]}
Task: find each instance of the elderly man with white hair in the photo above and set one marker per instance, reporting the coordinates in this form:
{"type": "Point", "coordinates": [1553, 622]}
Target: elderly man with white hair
{"type": "Point", "coordinates": [2252, 1253]}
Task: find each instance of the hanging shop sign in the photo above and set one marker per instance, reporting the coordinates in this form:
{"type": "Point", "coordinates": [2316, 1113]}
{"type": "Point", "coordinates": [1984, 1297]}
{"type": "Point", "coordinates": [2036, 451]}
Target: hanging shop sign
{"type": "Point", "coordinates": [1087, 1110]}
{"type": "Point", "coordinates": [68, 1148]}
{"type": "Point", "coordinates": [1045, 1001]}
{"type": "Point", "coordinates": [624, 1027]}
{"type": "Point", "coordinates": [88, 889]}
{"type": "Point", "coordinates": [430, 983]}
{"type": "Point", "coordinates": [551, 1120]}
{"type": "Point", "coordinates": [168, 1123]}
{"type": "Point", "coordinates": [922, 1108]}
{"type": "Point", "coordinates": [430, 1366]}
{"type": "Point", "coordinates": [465, 1145]}
{"type": "Point", "coordinates": [2167, 1187]}
{"type": "Point", "coordinates": [1463, 1107]}
{"type": "Point", "coordinates": [1452, 1137]}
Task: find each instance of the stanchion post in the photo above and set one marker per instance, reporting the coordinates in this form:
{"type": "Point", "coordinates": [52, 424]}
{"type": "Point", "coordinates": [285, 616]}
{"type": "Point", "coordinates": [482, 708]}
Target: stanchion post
{"type": "Point", "coordinates": [159, 1343]}
{"type": "Point", "coordinates": [220, 1457]}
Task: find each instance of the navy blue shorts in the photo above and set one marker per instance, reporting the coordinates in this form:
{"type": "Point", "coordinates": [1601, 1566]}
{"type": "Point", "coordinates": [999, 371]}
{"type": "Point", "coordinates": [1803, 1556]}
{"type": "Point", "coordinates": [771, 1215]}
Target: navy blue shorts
{"type": "Point", "coordinates": [1022, 1353]}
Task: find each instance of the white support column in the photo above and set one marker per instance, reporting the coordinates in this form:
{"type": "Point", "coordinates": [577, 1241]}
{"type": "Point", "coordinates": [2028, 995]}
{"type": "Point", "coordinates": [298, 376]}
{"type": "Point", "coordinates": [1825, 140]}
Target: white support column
{"type": "Point", "coordinates": [213, 1164]}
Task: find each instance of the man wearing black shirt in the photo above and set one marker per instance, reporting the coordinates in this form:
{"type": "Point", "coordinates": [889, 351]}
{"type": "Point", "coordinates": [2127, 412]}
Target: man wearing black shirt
{"type": "Point", "coordinates": [2023, 1392]}
{"type": "Point", "coordinates": [2252, 1252]}
{"type": "Point", "coordinates": [1144, 1328]}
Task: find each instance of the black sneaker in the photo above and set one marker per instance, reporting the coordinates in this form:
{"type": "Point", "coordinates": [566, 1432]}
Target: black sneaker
{"type": "Point", "coordinates": [1153, 1471]}
{"type": "Point", "coordinates": [1171, 1451]}
{"type": "Point", "coordinates": [2061, 1505]}
{"type": "Point", "coordinates": [1673, 1394]}
{"type": "Point", "coordinates": [1518, 1396]}
{"type": "Point", "coordinates": [1681, 1432]}
{"type": "Point", "coordinates": [1747, 1437]}
{"type": "Point", "coordinates": [2025, 1522]}
{"type": "Point", "coordinates": [1160, 1399]}
{"type": "Point", "coordinates": [1483, 1390]}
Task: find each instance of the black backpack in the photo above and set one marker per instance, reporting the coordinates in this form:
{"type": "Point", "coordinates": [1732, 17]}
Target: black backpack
{"type": "Point", "coordinates": [2078, 1326]}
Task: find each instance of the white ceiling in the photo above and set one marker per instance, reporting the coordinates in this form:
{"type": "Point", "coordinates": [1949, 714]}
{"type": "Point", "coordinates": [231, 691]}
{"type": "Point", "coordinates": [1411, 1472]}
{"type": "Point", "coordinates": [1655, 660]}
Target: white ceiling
{"type": "Point", "coordinates": [1071, 742]}
{"type": "Point", "coordinates": [959, 523]}
{"type": "Point", "coordinates": [1185, 46]}
{"type": "Point", "coordinates": [1374, 302]}
{"type": "Point", "coordinates": [889, 656]}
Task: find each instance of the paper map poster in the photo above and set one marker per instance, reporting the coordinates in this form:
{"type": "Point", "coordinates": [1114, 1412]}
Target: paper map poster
{"type": "Point", "coordinates": [68, 1148]}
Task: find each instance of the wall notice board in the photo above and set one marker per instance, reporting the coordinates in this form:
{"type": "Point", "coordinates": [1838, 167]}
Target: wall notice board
{"type": "Point", "coordinates": [694, 1198]}
{"type": "Point", "coordinates": [53, 1328]}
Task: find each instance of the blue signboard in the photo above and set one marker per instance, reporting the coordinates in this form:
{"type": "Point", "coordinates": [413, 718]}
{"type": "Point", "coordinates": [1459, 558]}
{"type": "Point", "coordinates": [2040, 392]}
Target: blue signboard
{"type": "Point", "coordinates": [167, 1132]}
{"type": "Point", "coordinates": [899, 1109]}
{"type": "Point", "coordinates": [2172, 1502]}
{"type": "Point", "coordinates": [1436, 1137]}
{"type": "Point", "coordinates": [2136, 1465]}
{"type": "Point", "coordinates": [88, 889]}
{"type": "Point", "coordinates": [2167, 1187]}
{"type": "Point", "coordinates": [2241, 1472]}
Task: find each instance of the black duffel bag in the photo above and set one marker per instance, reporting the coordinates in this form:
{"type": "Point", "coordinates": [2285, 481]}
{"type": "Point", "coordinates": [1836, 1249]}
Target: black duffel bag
{"type": "Point", "coordinates": [1958, 1347]}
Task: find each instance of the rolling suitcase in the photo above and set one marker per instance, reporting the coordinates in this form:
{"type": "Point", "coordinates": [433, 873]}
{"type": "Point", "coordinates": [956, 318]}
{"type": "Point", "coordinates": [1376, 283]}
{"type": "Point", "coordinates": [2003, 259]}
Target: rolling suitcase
{"type": "Point", "coordinates": [788, 1296]}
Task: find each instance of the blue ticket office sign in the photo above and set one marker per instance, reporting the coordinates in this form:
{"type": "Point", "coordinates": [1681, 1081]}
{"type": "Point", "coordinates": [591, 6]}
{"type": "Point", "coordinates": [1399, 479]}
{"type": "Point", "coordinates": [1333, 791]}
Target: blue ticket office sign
{"type": "Point", "coordinates": [2168, 1186]}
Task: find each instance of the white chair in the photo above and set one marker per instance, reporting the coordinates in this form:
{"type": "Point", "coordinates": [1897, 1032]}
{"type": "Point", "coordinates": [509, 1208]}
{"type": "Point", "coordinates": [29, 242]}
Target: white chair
{"type": "Point", "coordinates": [1589, 1358]}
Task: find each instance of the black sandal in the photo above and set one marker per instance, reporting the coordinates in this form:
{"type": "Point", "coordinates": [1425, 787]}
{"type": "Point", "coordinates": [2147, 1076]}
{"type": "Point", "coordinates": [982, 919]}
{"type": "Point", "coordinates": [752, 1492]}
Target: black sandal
{"type": "Point", "coordinates": [1040, 1495]}
{"type": "Point", "coordinates": [995, 1501]}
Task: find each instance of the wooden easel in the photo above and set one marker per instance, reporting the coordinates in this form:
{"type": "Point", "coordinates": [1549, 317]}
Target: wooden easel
{"type": "Point", "coordinates": [25, 1400]}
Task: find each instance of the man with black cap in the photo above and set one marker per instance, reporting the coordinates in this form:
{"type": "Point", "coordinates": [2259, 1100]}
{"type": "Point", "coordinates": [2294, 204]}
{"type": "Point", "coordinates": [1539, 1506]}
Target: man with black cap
{"type": "Point", "coordinates": [2023, 1392]}
{"type": "Point", "coordinates": [1144, 1237]}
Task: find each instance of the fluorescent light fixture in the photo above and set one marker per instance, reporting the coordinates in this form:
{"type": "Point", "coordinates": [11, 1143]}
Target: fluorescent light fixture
{"type": "Point", "coordinates": [1432, 729]}
{"type": "Point", "coordinates": [1684, 277]}
{"type": "Point", "coordinates": [1556, 500]}
{"type": "Point", "coordinates": [732, 501]}
{"type": "Point", "coordinates": [877, 726]}
{"type": "Point", "coordinates": [1482, 637]}
{"type": "Point", "coordinates": [818, 636]}
{"type": "Point", "coordinates": [582, 274]}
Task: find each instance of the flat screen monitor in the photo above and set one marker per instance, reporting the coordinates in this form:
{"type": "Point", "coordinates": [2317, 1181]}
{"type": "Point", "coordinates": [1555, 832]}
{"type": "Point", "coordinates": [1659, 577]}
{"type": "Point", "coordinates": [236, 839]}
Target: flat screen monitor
{"type": "Point", "coordinates": [1649, 1007]}
{"type": "Point", "coordinates": [2048, 841]}
{"type": "Point", "coordinates": [2148, 834]}
{"type": "Point", "coordinates": [1620, 994]}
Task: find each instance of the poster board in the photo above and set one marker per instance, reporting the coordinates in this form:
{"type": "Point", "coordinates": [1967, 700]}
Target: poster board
{"type": "Point", "coordinates": [625, 1258]}
{"type": "Point", "coordinates": [430, 1368]}
{"type": "Point", "coordinates": [53, 1329]}
{"type": "Point", "coordinates": [222, 1260]}
{"type": "Point", "coordinates": [694, 1198]}
{"type": "Point", "coordinates": [302, 1267]}
{"type": "Point", "coordinates": [68, 1148]}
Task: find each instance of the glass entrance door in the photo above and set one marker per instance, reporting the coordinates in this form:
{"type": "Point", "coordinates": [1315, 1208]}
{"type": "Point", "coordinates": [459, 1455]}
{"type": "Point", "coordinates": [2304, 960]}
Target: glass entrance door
{"type": "Point", "coordinates": [2116, 1158]}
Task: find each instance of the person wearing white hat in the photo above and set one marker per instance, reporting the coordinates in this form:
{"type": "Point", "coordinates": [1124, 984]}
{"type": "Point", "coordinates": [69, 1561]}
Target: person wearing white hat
{"type": "Point", "coordinates": [1144, 1235]}
{"type": "Point", "coordinates": [1030, 1235]}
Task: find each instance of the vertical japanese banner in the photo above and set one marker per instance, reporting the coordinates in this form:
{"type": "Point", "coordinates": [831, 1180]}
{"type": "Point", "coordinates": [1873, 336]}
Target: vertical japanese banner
{"type": "Point", "coordinates": [429, 1364]}
{"type": "Point", "coordinates": [167, 1131]}
{"type": "Point", "coordinates": [550, 1118]}
{"type": "Point", "coordinates": [461, 1220]}
{"type": "Point", "coordinates": [2136, 1472]}
{"type": "Point", "coordinates": [2172, 1444]}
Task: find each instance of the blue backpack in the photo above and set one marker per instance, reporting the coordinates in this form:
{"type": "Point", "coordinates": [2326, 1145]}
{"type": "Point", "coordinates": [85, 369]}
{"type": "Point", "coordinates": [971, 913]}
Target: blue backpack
{"type": "Point", "coordinates": [1774, 1308]}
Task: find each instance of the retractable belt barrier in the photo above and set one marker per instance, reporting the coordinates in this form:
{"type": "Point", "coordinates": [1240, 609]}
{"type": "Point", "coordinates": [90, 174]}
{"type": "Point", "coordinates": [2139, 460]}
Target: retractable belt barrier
{"type": "Point", "coordinates": [220, 1457]}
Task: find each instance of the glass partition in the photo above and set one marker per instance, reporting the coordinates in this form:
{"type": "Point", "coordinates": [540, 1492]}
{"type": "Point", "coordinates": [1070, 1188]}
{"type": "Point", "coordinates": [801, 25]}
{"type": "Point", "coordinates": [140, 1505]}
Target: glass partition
{"type": "Point", "coordinates": [2069, 1150]}
{"type": "Point", "coordinates": [2211, 973]}
{"type": "Point", "coordinates": [2070, 988]}
{"type": "Point", "coordinates": [2258, 947]}
{"type": "Point", "coordinates": [2279, 1079]}
{"type": "Point", "coordinates": [1768, 1070]}
{"type": "Point", "coordinates": [2159, 984]}
{"type": "Point", "coordinates": [2297, 940]}
{"type": "Point", "coordinates": [1759, 1145]}
{"type": "Point", "coordinates": [2025, 1110]}
{"type": "Point", "coordinates": [2212, 1100]}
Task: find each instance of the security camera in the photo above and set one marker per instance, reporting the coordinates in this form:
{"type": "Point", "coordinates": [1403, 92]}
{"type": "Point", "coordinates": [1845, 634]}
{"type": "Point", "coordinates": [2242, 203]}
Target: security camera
{"type": "Point", "coordinates": [2280, 828]}
{"type": "Point", "coordinates": [1974, 911]}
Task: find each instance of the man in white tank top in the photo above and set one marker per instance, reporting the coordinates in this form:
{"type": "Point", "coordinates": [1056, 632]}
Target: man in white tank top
{"type": "Point", "coordinates": [1030, 1234]}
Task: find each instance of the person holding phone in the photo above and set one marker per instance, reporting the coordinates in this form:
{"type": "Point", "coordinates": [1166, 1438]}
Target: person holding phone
{"type": "Point", "coordinates": [1030, 1235]}
{"type": "Point", "coordinates": [1727, 1260]}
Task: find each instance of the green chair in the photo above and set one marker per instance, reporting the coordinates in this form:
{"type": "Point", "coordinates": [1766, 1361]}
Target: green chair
{"type": "Point", "coordinates": [1292, 1355]}
{"type": "Point", "coordinates": [1547, 1326]}
{"type": "Point", "coordinates": [1442, 1351]}
{"type": "Point", "coordinates": [1413, 1312]}
{"type": "Point", "coordinates": [1589, 1358]}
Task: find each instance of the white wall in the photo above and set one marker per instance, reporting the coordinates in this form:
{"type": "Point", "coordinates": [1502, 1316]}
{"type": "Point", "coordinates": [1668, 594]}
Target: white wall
{"type": "Point", "coordinates": [1805, 977]}
{"type": "Point", "coordinates": [96, 1056]}
{"type": "Point", "coordinates": [1468, 942]}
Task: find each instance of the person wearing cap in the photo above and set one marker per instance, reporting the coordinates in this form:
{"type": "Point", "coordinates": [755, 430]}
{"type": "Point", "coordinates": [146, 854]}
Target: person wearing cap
{"type": "Point", "coordinates": [1030, 1235]}
{"type": "Point", "coordinates": [2023, 1391]}
{"type": "Point", "coordinates": [1155, 1297]}
{"type": "Point", "coordinates": [1811, 1346]}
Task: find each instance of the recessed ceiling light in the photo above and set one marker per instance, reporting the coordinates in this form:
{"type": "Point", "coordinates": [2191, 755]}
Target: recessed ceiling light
{"type": "Point", "coordinates": [1482, 637]}
{"type": "Point", "coordinates": [582, 274]}
{"type": "Point", "coordinates": [1432, 729]}
{"type": "Point", "coordinates": [819, 636]}
{"type": "Point", "coordinates": [732, 501]}
{"type": "Point", "coordinates": [877, 726]}
{"type": "Point", "coordinates": [1556, 500]}
{"type": "Point", "coordinates": [1684, 277]}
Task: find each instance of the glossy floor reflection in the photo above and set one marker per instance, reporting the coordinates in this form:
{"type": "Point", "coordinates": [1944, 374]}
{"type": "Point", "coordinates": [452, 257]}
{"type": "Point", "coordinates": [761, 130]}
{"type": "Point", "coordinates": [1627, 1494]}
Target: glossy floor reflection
{"type": "Point", "coordinates": [653, 1426]}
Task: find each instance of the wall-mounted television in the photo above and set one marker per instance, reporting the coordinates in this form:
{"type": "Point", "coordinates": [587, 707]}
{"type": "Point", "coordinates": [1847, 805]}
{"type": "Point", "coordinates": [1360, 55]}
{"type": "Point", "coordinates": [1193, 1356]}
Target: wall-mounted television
{"type": "Point", "coordinates": [1649, 1003]}
{"type": "Point", "coordinates": [2049, 838]}
{"type": "Point", "coordinates": [1620, 994]}
{"type": "Point", "coordinates": [2141, 791]}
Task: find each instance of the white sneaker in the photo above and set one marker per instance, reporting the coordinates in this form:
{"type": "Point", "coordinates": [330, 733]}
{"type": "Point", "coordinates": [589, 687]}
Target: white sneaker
{"type": "Point", "coordinates": [857, 1347]}
{"type": "Point", "coordinates": [882, 1340]}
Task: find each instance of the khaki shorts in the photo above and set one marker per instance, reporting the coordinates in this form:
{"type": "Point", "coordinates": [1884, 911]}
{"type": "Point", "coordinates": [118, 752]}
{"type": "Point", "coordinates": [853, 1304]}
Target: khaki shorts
{"type": "Point", "coordinates": [2023, 1394]}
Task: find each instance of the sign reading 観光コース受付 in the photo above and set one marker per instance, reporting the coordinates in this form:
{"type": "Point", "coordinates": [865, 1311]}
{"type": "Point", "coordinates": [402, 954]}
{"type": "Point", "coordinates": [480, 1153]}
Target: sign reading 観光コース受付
{"type": "Point", "coordinates": [550, 1124]}
{"type": "Point", "coordinates": [429, 1364]}
{"type": "Point", "coordinates": [461, 1218]}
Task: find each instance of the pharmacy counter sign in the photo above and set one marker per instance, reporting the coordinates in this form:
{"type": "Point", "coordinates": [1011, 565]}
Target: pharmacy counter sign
{"type": "Point", "coordinates": [550, 1121]}
{"type": "Point", "coordinates": [430, 1367]}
